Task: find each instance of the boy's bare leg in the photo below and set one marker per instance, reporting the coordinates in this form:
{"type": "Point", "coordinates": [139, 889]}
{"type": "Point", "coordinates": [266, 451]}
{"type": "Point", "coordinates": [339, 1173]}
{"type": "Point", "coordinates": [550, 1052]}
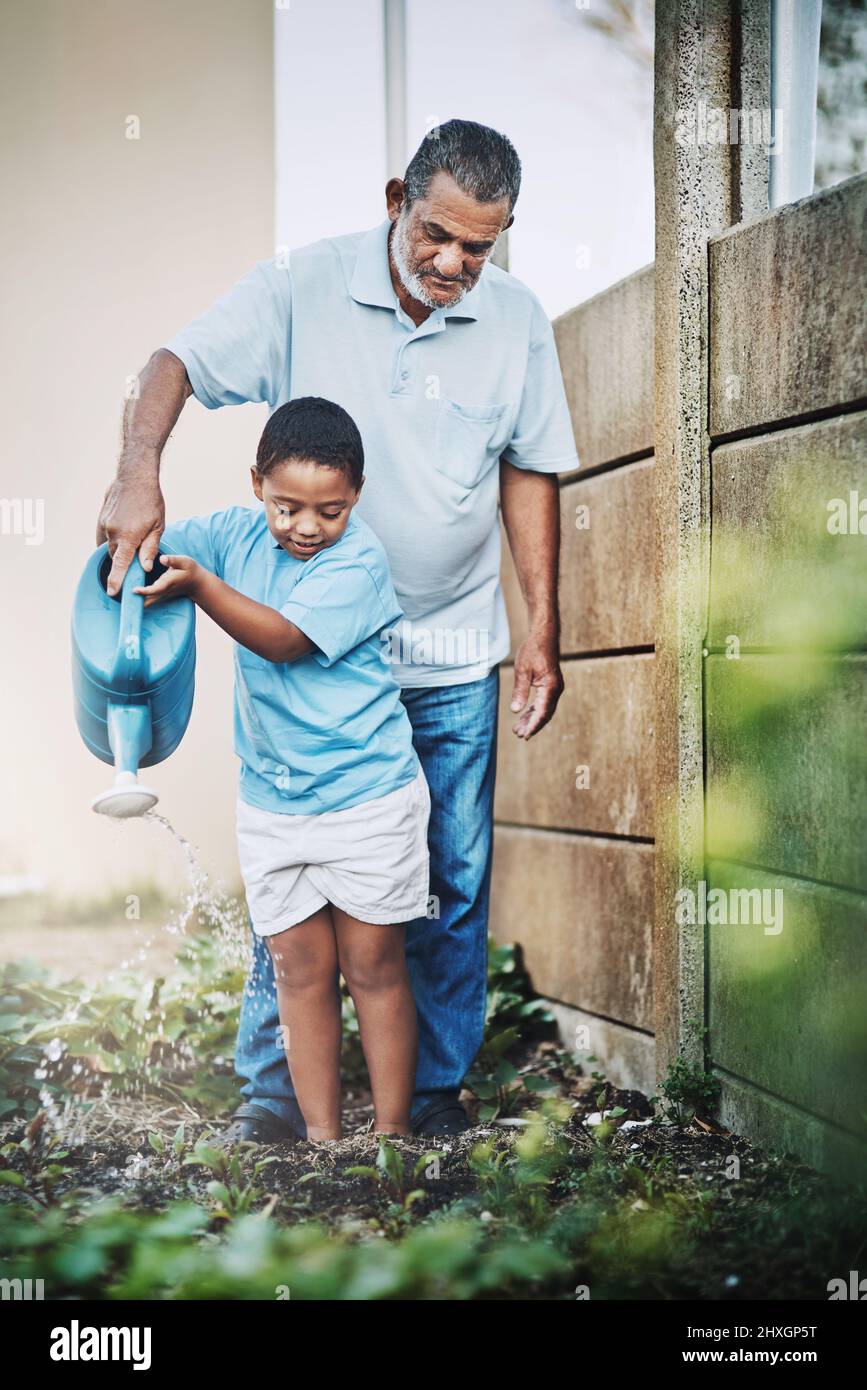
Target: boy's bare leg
{"type": "Point", "coordinates": [305, 965]}
{"type": "Point", "coordinates": [373, 964]}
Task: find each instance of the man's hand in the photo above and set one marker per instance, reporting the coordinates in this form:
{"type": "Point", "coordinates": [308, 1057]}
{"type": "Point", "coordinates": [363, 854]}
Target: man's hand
{"type": "Point", "coordinates": [133, 518]}
{"type": "Point", "coordinates": [537, 668]}
{"type": "Point", "coordinates": [133, 514]}
{"type": "Point", "coordinates": [183, 576]}
{"type": "Point", "coordinates": [530, 504]}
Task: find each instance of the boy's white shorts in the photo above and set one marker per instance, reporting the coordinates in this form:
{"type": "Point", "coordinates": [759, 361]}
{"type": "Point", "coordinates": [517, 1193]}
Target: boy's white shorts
{"type": "Point", "coordinates": [371, 860]}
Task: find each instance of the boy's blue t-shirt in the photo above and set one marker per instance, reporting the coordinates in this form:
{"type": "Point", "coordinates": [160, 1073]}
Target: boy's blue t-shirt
{"type": "Point", "coordinates": [329, 730]}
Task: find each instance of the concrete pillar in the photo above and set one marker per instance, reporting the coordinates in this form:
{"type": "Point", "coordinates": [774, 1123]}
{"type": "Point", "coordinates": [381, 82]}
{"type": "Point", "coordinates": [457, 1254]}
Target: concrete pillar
{"type": "Point", "coordinates": [710, 55]}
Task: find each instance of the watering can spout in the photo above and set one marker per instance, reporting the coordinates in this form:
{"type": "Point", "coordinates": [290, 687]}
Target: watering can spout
{"type": "Point", "coordinates": [129, 734]}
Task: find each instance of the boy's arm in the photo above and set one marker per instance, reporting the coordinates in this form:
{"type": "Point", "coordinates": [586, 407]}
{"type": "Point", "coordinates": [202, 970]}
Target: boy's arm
{"type": "Point", "coordinates": [256, 626]}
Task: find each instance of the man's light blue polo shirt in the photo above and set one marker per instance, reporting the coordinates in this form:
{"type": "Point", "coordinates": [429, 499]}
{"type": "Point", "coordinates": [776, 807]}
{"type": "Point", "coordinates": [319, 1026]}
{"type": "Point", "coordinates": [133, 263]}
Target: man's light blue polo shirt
{"type": "Point", "coordinates": [437, 406]}
{"type": "Point", "coordinates": [329, 730]}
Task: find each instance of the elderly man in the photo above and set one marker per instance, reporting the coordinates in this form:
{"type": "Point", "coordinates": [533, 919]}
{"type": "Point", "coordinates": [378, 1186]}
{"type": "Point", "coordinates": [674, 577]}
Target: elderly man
{"type": "Point", "coordinates": [448, 365]}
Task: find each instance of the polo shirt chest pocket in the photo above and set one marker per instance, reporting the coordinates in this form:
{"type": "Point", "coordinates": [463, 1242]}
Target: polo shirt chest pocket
{"type": "Point", "coordinates": [470, 438]}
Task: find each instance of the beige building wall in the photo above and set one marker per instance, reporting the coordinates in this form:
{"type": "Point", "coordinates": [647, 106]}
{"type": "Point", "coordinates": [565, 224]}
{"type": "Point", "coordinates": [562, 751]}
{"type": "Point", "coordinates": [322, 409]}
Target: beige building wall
{"type": "Point", "coordinates": [109, 245]}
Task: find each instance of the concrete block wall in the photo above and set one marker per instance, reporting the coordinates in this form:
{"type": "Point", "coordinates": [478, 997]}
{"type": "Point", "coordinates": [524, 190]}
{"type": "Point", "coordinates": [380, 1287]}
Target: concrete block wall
{"type": "Point", "coordinates": [573, 868]}
{"type": "Point", "coordinates": [787, 811]}
{"type": "Point", "coordinates": [785, 799]}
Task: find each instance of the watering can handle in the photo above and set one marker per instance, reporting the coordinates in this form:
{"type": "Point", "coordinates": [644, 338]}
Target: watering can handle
{"type": "Point", "coordinates": [129, 669]}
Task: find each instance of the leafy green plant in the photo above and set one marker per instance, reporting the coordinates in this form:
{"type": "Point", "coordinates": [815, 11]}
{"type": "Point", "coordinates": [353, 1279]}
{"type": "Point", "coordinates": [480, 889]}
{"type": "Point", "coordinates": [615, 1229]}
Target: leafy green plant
{"type": "Point", "coordinates": [494, 1079]}
{"type": "Point", "coordinates": [390, 1170]}
{"type": "Point", "coordinates": [688, 1089]}
{"type": "Point", "coordinates": [114, 1252]}
{"type": "Point", "coordinates": [511, 999]}
{"type": "Point", "coordinates": [604, 1089]}
{"type": "Point", "coordinates": [43, 1166]}
{"type": "Point", "coordinates": [172, 1036]}
{"type": "Point", "coordinates": [516, 1182]}
{"type": "Point", "coordinates": [513, 1015]}
{"type": "Point", "coordinates": [540, 1222]}
{"type": "Point", "coordinates": [390, 1174]}
{"type": "Point", "coordinates": [167, 1151]}
{"type": "Point", "coordinates": [234, 1189]}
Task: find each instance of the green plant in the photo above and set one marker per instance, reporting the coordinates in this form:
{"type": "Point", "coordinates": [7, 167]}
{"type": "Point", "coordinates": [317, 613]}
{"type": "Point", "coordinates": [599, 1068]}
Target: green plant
{"type": "Point", "coordinates": [534, 1228]}
{"type": "Point", "coordinates": [234, 1188]}
{"type": "Point", "coordinates": [43, 1167]}
{"type": "Point", "coordinates": [390, 1170]}
{"type": "Point", "coordinates": [510, 998]}
{"type": "Point", "coordinates": [162, 1149]}
{"type": "Point", "coordinates": [512, 1016]}
{"type": "Point", "coordinates": [172, 1036]}
{"type": "Point", "coordinates": [113, 1252]}
{"type": "Point", "coordinates": [604, 1089]}
{"type": "Point", "coordinates": [390, 1173]}
{"type": "Point", "coordinates": [647, 1182]}
{"type": "Point", "coordinates": [688, 1089]}
{"type": "Point", "coordinates": [516, 1182]}
{"type": "Point", "coordinates": [175, 1036]}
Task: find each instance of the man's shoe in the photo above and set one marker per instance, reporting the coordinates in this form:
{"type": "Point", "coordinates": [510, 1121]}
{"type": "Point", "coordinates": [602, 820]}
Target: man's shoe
{"type": "Point", "coordinates": [256, 1124]}
{"type": "Point", "coordinates": [443, 1115]}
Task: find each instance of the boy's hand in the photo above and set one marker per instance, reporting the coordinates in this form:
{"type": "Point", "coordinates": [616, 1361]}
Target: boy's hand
{"type": "Point", "coordinates": [183, 576]}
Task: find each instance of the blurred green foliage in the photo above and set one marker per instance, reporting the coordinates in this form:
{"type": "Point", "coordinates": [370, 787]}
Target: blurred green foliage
{"type": "Point", "coordinates": [173, 1036]}
{"type": "Point", "coordinates": [785, 703]}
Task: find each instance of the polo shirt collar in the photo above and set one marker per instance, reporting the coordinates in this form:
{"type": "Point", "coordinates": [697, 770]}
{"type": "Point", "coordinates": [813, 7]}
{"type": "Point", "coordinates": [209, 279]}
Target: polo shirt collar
{"type": "Point", "coordinates": [371, 280]}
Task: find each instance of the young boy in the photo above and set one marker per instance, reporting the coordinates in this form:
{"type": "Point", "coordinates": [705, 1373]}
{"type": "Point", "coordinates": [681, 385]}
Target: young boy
{"type": "Point", "coordinates": [333, 805]}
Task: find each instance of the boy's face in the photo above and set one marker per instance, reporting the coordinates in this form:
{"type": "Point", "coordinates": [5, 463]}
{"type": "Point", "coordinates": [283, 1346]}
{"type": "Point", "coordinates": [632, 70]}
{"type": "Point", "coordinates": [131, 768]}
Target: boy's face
{"type": "Point", "coordinates": [307, 505]}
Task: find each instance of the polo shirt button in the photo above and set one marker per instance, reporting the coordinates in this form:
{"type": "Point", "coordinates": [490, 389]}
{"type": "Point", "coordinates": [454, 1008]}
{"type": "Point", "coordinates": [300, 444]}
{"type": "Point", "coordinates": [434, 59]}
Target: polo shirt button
{"type": "Point", "coordinates": [404, 376]}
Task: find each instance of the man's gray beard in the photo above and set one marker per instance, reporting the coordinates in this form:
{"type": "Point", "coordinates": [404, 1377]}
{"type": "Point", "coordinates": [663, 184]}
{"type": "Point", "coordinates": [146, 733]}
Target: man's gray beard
{"type": "Point", "coordinates": [412, 283]}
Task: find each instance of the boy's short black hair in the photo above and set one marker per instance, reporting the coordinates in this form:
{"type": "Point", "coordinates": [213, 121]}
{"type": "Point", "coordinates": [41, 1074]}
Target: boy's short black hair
{"type": "Point", "coordinates": [312, 428]}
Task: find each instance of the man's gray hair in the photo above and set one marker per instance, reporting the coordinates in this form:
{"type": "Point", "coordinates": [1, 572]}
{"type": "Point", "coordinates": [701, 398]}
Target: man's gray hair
{"type": "Point", "coordinates": [483, 163]}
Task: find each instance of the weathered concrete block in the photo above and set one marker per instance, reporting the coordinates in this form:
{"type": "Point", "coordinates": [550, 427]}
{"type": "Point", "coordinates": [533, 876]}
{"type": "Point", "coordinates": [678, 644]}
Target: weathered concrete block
{"type": "Point", "coordinates": [592, 767]}
{"type": "Point", "coordinates": [782, 1128]}
{"type": "Point", "coordinates": [606, 356]}
{"type": "Point", "coordinates": [626, 1056]}
{"type": "Point", "coordinates": [788, 561]}
{"type": "Point", "coordinates": [607, 570]}
{"type": "Point", "coordinates": [582, 909]}
{"type": "Point", "coordinates": [787, 764]}
{"type": "Point", "coordinates": [607, 578]}
{"type": "Point", "coordinates": [787, 990]}
{"type": "Point", "coordinates": [788, 311]}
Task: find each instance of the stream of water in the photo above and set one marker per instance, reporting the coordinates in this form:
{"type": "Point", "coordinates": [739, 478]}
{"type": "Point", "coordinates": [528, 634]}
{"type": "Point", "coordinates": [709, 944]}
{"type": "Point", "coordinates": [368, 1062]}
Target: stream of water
{"type": "Point", "coordinates": [209, 905]}
{"type": "Point", "coordinates": [205, 909]}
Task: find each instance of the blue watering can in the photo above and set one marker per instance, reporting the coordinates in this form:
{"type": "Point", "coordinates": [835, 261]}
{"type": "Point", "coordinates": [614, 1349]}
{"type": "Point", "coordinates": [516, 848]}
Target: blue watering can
{"type": "Point", "coordinates": [133, 675]}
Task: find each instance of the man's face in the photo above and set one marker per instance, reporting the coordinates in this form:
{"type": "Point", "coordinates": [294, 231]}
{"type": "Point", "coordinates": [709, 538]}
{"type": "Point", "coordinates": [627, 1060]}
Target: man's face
{"type": "Point", "coordinates": [307, 506]}
{"type": "Point", "coordinates": [441, 243]}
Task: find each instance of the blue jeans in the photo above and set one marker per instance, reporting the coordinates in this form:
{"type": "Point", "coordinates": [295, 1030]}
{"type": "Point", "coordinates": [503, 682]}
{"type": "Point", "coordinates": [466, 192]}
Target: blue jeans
{"type": "Point", "coordinates": [455, 736]}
